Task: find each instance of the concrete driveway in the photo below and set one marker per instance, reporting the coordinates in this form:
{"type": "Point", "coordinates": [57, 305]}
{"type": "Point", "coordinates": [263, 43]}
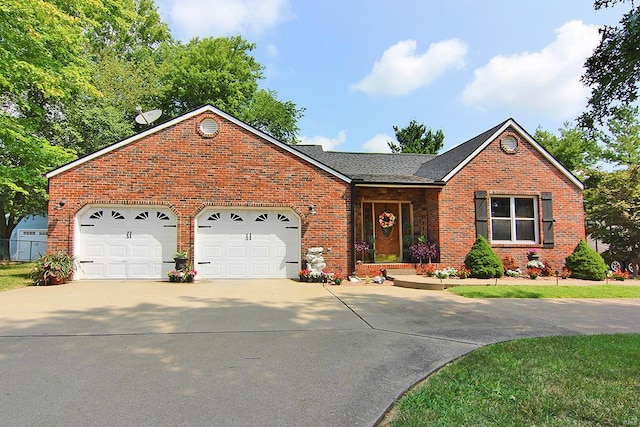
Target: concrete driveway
{"type": "Point", "coordinates": [249, 353]}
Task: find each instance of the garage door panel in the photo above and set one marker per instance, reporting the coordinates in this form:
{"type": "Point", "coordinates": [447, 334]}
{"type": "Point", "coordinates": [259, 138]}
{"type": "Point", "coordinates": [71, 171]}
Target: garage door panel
{"type": "Point", "coordinates": [117, 250]}
{"type": "Point", "coordinates": [258, 252]}
{"type": "Point", "coordinates": [238, 271]}
{"type": "Point", "coordinates": [142, 270]}
{"type": "Point", "coordinates": [261, 271]}
{"type": "Point", "coordinates": [126, 242]}
{"type": "Point", "coordinates": [116, 270]}
{"type": "Point", "coordinates": [257, 246]}
{"type": "Point", "coordinates": [235, 252]}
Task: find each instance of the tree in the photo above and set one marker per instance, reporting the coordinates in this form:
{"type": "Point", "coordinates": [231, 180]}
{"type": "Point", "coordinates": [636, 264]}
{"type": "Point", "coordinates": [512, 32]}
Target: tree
{"type": "Point", "coordinates": [622, 144]}
{"type": "Point", "coordinates": [24, 159]}
{"type": "Point", "coordinates": [613, 212]}
{"type": "Point", "coordinates": [277, 118]}
{"type": "Point", "coordinates": [416, 138]}
{"type": "Point", "coordinates": [223, 73]}
{"type": "Point", "coordinates": [573, 148]}
{"type": "Point", "coordinates": [482, 261]}
{"type": "Point", "coordinates": [42, 63]}
{"type": "Point", "coordinates": [613, 70]}
{"type": "Point", "coordinates": [218, 71]}
{"type": "Point", "coordinates": [585, 263]}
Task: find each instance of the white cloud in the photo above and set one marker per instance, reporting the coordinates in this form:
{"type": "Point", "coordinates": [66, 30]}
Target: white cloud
{"type": "Point", "coordinates": [546, 82]}
{"type": "Point", "coordinates": [401, 70]}
{"type": "Point", "coordinates": [328, 144]}
{"type": "Point", "coordinates": [190, 18]}
{"type": "Point", "coordinates": [378, 144]}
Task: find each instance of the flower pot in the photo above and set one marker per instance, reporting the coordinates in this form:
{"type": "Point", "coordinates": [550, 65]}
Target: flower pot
{"type": "Point", "coordinates": [181, 263]}
{"type": "Point", "coordinates": [533, 256]}
{"type": "Point", "coordinates": [53, 280]}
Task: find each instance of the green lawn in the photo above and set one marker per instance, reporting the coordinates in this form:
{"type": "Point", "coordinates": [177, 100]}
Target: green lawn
{"type": "Point", "coordinates": [555, 381]}
{"type": "Point", "coordinates": [547, 291]}
{"type": "Point", "coordinates": [14, 276]}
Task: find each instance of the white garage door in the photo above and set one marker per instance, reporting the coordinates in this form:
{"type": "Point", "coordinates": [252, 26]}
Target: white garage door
{"type": "Point", "coordinates": [126, 242]}
{"type": "Point", "coordinates": [242, 243]}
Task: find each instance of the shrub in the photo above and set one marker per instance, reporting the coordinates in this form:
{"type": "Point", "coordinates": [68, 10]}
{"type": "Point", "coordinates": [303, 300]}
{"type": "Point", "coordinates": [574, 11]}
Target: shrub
{"type": "Point", "coordinates": [53, 268]}
{"type": "Point", "coordinates": [585, 263]}
{"type": "Point", "coordinates": [509, 263]}
{"type": "Point", "coordinates": [482, 261]}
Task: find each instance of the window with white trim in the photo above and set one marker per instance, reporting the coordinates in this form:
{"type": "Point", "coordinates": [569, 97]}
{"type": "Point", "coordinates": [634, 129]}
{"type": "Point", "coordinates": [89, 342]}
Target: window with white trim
{"type": "Point", "coordinates": [514, 219]}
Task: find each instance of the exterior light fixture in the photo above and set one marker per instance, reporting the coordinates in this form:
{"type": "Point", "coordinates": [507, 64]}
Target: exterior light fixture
{"type": "Point", "coordinates": [59, 205]}
{"type": "Point", "coordinates": [312, 210]}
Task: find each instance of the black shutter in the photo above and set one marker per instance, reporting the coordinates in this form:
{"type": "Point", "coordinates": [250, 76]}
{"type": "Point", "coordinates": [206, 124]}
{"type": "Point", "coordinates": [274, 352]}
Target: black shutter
{"type": "Point", "coordinates": [547, 220]}
{"type": "Point", "coordinates": [482, 219]}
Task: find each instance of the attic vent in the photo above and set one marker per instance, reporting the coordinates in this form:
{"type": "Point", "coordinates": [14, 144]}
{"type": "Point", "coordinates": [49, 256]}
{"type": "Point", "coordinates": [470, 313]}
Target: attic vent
{"type": "Point", "coordinates": [509, 145]}
{"type": "Point", "coordinates": [208, 127]}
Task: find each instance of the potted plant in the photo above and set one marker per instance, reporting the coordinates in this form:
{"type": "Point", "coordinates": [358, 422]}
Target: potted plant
{"type": "Point", "coordinates": [186, 275]}
{"type": "Point", "coordinates": [423, 250]}
{"type": "Point", "coordinates": [180, 258]}
{"type": "Point", "coordinates": [361, 247]}
{"type": "Point", "coordinates": [532, 255]}
{"type": "Point", "coordinates": [53, 269]}
{"type": "Point", "coordinates": [304, 275]}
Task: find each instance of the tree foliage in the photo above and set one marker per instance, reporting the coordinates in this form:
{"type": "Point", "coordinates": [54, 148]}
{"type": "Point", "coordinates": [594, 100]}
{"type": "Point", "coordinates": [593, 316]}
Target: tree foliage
{"type": "Point", "coordinates": [277, 118]}
{"type": "Point", "coordinates": [613, 212]}
{"type": "Point", "coordinates": [613, 70]}
{"type": "Point", "coordinates": [483, 262]}
{"type": "Point", "coordinates": [416, 138]}
{"type": "Point", "coordinates": [622, 143]}
{"type": "Point", "coordinates": [222, 72]}
{"type": "Point", "coordinates": [573, 148]}
{"type": "Point", "coordinates": [585, 263]}
{"type": "Point", "coordinates": [72, 73]}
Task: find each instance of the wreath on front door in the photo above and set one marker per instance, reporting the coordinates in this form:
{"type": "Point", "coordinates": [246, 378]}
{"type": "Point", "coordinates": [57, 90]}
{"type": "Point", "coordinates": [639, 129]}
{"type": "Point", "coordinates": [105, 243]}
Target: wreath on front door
{"type": "Point", "coordinates": [387, 220]}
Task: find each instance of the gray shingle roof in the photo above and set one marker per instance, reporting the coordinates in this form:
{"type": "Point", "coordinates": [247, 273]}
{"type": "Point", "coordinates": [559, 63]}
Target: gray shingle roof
{"type": "Point", "coordinates": [398, 168]}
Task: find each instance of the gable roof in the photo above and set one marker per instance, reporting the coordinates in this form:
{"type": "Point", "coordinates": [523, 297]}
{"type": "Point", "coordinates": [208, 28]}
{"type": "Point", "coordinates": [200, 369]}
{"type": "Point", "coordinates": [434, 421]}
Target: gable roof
{"type": "Point", "coordinates": [411, 169]}
{"type": "Point", "coordinates": [186, 116]}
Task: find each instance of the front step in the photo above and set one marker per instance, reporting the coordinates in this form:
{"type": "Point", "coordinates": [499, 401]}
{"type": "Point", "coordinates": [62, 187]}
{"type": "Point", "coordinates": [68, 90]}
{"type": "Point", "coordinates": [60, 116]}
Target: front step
{"type": "Point", "coordinates": [419, 282]}
{"type": "Point", "coordinates": [394, 272]}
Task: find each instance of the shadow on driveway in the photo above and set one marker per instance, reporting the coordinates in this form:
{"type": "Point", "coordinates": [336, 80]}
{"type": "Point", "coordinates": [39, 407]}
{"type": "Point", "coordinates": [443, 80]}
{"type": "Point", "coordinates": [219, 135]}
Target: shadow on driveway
{"type": "Point", "coordinates": [269, 353]}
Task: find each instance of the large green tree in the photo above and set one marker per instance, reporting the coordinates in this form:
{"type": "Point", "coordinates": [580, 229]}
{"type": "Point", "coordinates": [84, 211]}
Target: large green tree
{"type": "Point", "coordinates": [613, 70]}
{"type": "Point", "coordinates": [612, 198]}
{"type": "Point", "coordinates": [613, 212]}
{"type": "Point", "coordinates": [42, 63]}
{"type": "Point", "coordinates": [222, 72]}
{"type": "Point", "coordinates": [572, 147]}
{"type": "Point", "coordinates": [416, 138]}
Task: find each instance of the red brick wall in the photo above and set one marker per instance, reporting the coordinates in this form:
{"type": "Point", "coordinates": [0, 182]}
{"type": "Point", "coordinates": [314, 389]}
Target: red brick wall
{"type": "Point", "coordinates": [526, 173]}
{"type": "Point", "coordinates": [180, 169]}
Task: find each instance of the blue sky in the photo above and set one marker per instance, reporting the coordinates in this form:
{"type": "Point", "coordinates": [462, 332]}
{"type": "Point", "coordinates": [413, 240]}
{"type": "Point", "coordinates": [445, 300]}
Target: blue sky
{"type": "Point", "coordinates": [359, 67]}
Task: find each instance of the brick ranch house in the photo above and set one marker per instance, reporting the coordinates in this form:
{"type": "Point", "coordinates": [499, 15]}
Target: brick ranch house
{"type": "Point", "coordinates": [248, 206]}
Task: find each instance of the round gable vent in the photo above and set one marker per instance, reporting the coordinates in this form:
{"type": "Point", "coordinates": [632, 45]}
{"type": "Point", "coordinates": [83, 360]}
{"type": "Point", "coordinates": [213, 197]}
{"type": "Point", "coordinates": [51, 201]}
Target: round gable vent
{"type": "Point", "coordinates": [509, 145]}
{"type": "Point", "coordinates": [208, 127]}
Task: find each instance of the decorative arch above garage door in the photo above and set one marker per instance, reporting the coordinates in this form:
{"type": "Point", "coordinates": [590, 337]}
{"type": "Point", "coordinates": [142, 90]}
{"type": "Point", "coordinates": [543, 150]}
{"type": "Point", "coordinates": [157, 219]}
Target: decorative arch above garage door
{"type": "Point", "coordinates": [240, 243]}
{"type": "Point", "coordinates": [125, 242]}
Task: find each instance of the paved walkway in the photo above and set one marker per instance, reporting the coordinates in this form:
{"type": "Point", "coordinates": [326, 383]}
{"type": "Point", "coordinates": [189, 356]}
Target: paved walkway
{"type": "Point", "coordinates": [236, 353]}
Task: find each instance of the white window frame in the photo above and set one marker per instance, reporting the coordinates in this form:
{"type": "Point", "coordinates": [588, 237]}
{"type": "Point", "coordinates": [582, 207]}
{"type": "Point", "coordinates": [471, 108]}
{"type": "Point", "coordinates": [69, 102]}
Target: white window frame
{"type": "Point", "coordinates": [512, 217]}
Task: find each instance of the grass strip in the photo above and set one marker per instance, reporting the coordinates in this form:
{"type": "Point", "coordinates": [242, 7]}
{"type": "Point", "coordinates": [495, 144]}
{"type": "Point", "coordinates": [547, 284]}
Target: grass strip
{"type": "Point", "coordinates": [14, 276]}
{"type": "Point", "coordinates": [547, 291]}
{"type": "Point", "coordinates": [553, 381]}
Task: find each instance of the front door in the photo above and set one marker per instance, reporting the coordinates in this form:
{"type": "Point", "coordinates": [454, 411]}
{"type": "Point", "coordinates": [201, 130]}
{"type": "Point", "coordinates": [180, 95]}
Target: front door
{"type": "Point", "coordinates": [387, 230]}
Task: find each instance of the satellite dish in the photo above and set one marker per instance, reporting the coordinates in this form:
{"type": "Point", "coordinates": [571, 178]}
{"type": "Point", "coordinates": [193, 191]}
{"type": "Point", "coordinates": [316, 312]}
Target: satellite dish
{"type": "Point", "coordinates": [148, 117]}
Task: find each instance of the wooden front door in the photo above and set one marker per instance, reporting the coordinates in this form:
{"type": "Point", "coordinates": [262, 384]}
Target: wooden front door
{"type": "Point", "coordinates": [387, 240]}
